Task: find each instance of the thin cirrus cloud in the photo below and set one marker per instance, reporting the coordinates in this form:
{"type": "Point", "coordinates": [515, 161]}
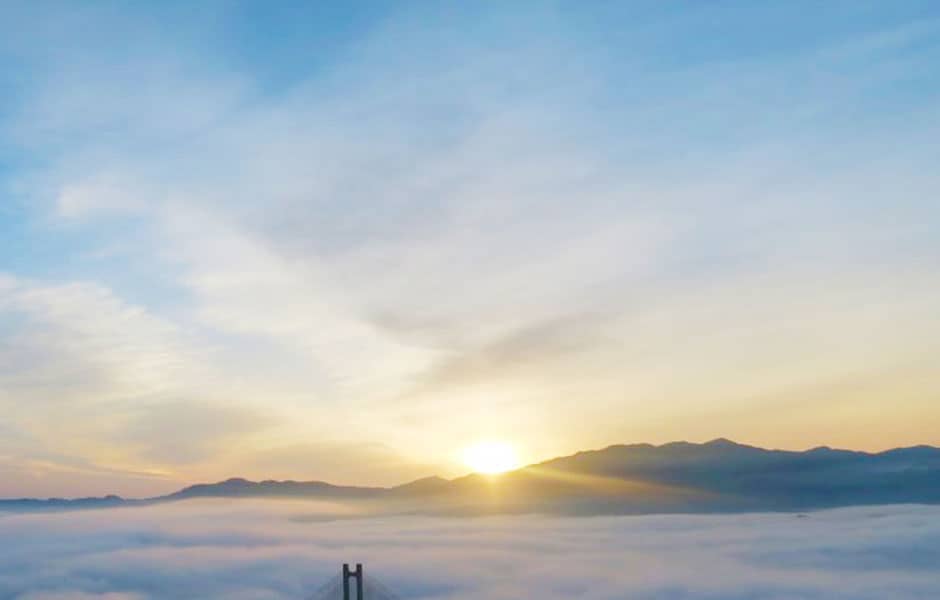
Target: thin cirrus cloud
{"type": "Point", "coordinates": [272, 550]}
{"type": "Point", "coordinates": [538, 224]}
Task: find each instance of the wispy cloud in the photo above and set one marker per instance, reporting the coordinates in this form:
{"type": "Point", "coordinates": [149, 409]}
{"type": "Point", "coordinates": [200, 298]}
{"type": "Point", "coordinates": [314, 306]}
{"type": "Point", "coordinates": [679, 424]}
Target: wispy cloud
{"type": "Point", "coordinates": [537, 226]}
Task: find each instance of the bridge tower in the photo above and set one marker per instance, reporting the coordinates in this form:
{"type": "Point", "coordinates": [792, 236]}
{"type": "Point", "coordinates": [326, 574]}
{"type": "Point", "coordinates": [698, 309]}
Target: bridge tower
{"type": "Point", "coordinates": [350, 574]}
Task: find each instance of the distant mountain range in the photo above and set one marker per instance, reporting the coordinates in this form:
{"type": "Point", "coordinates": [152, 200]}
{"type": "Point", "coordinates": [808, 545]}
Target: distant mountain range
{"type": "Point", "coordinates": [718, 476]}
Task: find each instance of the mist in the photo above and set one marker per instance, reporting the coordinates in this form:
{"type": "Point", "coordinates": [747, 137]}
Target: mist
{"type": "Point", "coordinates": [279, 550]}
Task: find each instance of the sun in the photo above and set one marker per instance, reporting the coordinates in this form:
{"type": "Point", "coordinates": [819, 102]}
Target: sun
{"type": "Point", "coordinates": [491, 457]}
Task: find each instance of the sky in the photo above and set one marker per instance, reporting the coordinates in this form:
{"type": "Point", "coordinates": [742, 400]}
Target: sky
{"type": "Point", "coordinates": [250, 550]}
{"type": "Point", "coordinates": [345, 241]}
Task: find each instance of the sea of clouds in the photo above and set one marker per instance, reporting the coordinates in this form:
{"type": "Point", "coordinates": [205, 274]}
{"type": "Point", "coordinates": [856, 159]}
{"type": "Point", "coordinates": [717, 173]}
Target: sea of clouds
{"type": "Point", "coordinates": [278, 550]}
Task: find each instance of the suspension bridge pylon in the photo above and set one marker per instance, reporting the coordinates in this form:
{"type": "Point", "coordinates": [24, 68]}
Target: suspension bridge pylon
{"type": "Point", "coordinates": [341, 587]}
{"type": "Point", "coordinates": [350, 574]}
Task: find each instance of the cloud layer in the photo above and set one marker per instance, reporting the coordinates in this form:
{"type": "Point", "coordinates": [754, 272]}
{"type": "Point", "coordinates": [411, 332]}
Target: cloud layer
{"type": "Point", "coordinates": [282, 550]}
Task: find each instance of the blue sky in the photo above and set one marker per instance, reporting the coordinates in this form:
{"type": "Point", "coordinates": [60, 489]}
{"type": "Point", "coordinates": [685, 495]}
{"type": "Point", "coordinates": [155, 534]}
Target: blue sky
{"type": "Point", "coordinates": [323, 240]}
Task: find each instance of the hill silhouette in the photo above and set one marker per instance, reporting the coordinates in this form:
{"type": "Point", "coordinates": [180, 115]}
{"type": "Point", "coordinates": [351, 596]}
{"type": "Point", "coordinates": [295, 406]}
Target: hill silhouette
{"type": "Point", "coordinates": [718, 476]}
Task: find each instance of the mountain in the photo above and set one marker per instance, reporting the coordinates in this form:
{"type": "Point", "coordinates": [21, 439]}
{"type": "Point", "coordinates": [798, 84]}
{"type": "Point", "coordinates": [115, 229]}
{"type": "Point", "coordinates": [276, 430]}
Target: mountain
{"type": "Point", "coordinates": [718, 476]}
{"type": "Point", "coordinates": [724, 476]}
{"type": "Point", "coordinates": [241, 488]}
{"type": "Point", "coordinates": [44, 504]}
{"type": "Point", "coordinates": [420, 488]}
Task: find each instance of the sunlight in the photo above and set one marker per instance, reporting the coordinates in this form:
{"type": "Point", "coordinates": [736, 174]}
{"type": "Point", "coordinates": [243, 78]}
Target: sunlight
{"type": "Point", "coordinates": [491, 457]}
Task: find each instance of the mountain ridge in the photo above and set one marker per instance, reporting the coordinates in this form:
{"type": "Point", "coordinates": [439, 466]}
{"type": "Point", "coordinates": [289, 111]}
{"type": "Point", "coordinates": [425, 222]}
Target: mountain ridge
{"type": "Point", "coordinates": [716, 476]}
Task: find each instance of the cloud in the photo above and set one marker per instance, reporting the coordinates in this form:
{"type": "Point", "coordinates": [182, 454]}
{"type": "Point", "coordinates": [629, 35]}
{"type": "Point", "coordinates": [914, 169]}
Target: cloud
{"type": "Point", "coordinates": [538, 227]}
{"type": "Point", "coordinates": [76, 336]}
{"type": "Point", "coordinates": [187, 431]}
{"type": "Point", "coordinates": [101, 194]}
{"type": "Point", "coordinates": [272, 550]}
{"type": "Point", "coordinates": [92, 385]}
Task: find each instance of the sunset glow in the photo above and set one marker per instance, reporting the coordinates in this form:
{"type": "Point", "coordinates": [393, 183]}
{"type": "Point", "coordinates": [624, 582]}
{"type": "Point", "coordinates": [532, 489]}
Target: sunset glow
{"type": "Point", "coordinates": [491, 457]}
{"type": "Point", "coordinates": [276, 242]}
